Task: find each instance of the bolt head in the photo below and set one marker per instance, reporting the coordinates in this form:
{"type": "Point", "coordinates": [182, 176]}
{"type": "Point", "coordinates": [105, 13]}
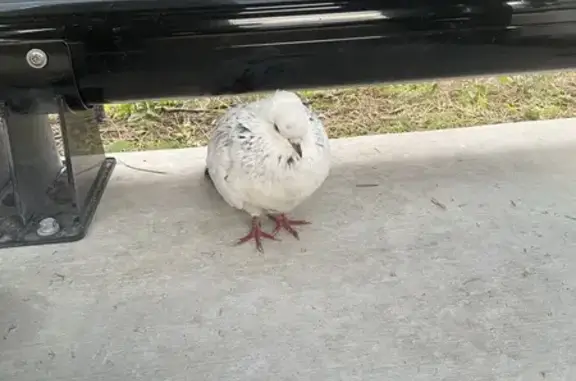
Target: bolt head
{"type": "Point", "coordinates": [36, 58]}
{"type": "Point", "coordinates": [47, 227]}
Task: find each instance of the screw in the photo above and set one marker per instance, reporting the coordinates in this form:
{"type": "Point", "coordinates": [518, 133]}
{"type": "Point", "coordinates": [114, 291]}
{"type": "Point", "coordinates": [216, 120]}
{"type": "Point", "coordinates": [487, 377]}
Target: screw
{"type": "Point", "coordinates": [36, 58]}
{"type": "Point", "coordinates": [47, 227]}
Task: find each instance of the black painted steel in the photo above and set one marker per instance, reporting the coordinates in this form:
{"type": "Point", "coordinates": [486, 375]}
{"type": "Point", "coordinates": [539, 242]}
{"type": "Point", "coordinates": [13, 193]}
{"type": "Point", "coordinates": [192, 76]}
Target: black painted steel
{"type": "Point", "coordinates": [101, 51]}
{"type": "Point", "coordinates": [133, 49]}
{"type": "Point", "coordinates": [35, 184]}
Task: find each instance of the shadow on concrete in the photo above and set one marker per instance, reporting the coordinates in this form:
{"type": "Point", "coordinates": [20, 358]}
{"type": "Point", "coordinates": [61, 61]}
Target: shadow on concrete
{"type": "Point", "coordinates": [361, 193]}
{"type": "Point", "coordinates": [374, 183]}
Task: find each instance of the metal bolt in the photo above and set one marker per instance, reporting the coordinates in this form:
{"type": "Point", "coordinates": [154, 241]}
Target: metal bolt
{"type": "Point", "coordinates": [47, 227]}
{"type": "Point", "coordinates": [36, 58]}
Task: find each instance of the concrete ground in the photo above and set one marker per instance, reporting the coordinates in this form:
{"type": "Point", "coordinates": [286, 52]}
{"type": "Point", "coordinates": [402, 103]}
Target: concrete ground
{"type": "Point", "coordinates": [444, 255]}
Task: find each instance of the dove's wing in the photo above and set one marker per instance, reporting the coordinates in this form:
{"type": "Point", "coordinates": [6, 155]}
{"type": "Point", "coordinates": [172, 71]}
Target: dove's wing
{"type": "Point", "coordinates": [219, 162]}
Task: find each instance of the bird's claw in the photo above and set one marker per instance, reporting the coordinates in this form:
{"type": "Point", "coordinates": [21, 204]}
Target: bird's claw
{"type": "Point", "coordinates": [283, 222]}
{"type": "Point", "coordinates": [256, 234]}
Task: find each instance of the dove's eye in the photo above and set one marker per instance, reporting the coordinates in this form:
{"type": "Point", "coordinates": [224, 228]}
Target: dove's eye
{"type": "Point", "coordinates": [276, 128]}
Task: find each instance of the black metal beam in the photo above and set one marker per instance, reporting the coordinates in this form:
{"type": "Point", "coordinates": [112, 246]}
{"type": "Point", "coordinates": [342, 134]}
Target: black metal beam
{"type": "Point", "coordinates": [135, 49]}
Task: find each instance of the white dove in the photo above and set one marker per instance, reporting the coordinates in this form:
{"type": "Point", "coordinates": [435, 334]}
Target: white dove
{"type": "Point", "coordinates": [267, 157]}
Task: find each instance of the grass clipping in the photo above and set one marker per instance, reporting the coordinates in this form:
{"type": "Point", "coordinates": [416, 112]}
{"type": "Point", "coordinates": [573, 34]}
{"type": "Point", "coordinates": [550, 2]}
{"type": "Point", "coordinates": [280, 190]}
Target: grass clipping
{"type": "Point", "coordinates": [357, 111]}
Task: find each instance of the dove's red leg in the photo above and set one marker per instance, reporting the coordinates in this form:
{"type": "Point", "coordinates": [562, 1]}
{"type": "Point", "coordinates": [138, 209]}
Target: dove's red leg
{"type": "Point", "coordinates": [283, 222]}
{"type": "Point", "coordinates": [256, 234]}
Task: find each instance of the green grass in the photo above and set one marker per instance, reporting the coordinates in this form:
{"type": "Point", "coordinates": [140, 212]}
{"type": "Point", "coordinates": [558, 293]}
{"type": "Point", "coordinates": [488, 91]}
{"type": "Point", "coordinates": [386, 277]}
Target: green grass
{"type": "Point", "coordinates": [357, 111]}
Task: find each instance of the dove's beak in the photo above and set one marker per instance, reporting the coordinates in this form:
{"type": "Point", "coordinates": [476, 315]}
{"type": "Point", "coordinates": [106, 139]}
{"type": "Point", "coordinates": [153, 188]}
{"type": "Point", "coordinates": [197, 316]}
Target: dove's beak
{"type": "Point", "coordinates": [298, 148]}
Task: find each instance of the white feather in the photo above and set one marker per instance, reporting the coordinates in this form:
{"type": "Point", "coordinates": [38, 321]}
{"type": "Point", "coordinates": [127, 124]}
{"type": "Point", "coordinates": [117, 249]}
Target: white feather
{"type": "Point", "coordinates": [255, 168]}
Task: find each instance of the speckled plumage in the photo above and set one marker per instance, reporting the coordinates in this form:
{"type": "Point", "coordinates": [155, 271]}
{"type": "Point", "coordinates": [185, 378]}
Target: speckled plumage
{"type": "Point", "coordinates": [255, 168]}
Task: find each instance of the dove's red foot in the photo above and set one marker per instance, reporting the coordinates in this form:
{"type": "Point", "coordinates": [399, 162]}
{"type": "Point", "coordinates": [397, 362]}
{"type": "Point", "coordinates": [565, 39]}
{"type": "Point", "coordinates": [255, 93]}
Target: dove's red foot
{"type": "Point", "coordinates": [283, 222]}
{"type": "Point", "coordinates": [256, 234]}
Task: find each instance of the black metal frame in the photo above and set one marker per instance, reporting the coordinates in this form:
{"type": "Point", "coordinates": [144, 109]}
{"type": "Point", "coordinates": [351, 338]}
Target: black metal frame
{"type": "Point", "coordinates": [102, 51]}
{"type": "Point", "coordinates": [124, 50]}
{"type": "Point", "coordinates": [36, 185]}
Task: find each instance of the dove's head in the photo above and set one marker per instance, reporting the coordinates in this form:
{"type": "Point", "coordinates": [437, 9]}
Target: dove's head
{"type": "Point", "coordinates": [290, 118]}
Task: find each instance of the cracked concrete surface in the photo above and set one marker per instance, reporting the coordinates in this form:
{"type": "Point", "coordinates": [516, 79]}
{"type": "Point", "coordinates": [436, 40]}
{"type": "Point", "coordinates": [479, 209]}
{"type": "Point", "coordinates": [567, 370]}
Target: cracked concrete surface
{"type": "Point", "coordinates": [444, 255]}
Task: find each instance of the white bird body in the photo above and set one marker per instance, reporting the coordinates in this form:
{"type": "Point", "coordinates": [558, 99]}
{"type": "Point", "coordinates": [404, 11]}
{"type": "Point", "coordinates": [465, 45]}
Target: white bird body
{"type": "Point", "coordinates": [257, 169]}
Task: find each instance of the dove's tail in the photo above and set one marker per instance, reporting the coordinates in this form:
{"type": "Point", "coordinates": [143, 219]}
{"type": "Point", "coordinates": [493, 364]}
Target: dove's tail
{"type": "Point", "coordinates": [207, 175]}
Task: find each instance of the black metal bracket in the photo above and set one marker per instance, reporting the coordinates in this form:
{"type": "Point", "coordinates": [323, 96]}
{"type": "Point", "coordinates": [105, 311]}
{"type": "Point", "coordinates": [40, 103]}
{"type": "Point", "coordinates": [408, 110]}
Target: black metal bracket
{"type": "Point", "coordinates": [51, 180]}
